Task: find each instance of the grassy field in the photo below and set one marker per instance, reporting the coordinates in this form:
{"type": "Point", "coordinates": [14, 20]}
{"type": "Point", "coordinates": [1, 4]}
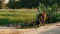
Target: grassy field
{"type": "Point", "coordinates": [22, 15]}
{"type": "Point", "coordinates": [17, 15]}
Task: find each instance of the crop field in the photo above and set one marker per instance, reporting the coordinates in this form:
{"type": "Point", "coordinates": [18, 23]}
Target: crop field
{"type": "Point", "coordinates": [17, 15]}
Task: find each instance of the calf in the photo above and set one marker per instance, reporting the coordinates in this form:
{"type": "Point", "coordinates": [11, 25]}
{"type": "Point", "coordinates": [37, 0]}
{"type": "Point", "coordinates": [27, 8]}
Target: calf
{"type": "Point", "coordinates": [41, 19]}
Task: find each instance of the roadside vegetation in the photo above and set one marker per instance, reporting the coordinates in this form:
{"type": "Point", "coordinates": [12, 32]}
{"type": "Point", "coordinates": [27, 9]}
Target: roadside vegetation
{"type": "Point", "coordinates": [26, 17]}
{"type": "Point", "coordinates": [24, 12]}
{"type": "Point", "coordinates": [17, 17]}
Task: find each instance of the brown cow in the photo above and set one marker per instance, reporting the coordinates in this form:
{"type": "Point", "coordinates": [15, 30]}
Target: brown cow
{"type": "Point", "coordinates": [42, 19]}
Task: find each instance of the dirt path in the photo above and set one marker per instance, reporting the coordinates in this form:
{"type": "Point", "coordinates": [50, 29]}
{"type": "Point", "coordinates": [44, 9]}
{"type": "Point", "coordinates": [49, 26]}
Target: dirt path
{"type": "Point", "coordinates": [31, 30]}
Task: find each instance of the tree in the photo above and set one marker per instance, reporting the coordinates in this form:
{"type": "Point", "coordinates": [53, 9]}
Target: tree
{"type": "Point", "coordinates": [11, 4]}
{"type": "Point", "coordinates": [58, 2]}
{"type": "Point", "coordinates": [30, 3]}
{"type": "Point", "coordinates": [2, 4]}
{"type": "Point", "coordinates": [23, 4]}
{"type": "Point", "coordinates": [48, 2]}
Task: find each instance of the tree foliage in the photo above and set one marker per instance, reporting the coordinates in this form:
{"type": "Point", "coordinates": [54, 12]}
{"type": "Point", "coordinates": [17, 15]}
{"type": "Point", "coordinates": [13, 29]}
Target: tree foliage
{"type": "Point", "coordinates": [23, 4]}
{"type": "Point", "coordinates": [30, 3]}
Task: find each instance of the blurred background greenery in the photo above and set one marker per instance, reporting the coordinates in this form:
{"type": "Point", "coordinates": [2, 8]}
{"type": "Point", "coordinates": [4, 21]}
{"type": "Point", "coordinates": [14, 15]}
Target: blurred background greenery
{"type": "Point", "coordinates": [26, 11]}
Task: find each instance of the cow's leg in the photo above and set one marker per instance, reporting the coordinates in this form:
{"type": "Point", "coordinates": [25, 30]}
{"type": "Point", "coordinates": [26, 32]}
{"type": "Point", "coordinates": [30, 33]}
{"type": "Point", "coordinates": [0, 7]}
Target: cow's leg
{"type": "Point", "coordinates": [40, 22]}
{"type": "Point", "coordinates": [44, 21]}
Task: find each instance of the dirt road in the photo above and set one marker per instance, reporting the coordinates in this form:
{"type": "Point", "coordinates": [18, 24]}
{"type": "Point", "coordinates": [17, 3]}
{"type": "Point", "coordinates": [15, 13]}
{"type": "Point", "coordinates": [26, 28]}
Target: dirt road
{"type": "Point", "coordinates": [52, 31]}
{"type": "Point", "coordinates": [29, 31]}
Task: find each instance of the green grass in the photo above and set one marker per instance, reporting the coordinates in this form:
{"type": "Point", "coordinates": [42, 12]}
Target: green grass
{"type": "Point", "coordinates": [21, 15]}
{"type": "Point", "coordinates": [17, 16]}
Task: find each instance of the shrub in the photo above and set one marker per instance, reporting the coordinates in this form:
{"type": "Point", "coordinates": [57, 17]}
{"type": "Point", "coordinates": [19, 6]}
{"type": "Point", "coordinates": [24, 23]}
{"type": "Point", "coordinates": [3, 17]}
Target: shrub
{"type": "Point", "coordinates": [50, 11]}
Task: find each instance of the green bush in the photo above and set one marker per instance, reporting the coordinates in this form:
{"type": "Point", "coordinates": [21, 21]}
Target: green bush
{"type": "Point", "coordinates": [4, 21]}
{"type": "Point", "coordinates": [51, 12]}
